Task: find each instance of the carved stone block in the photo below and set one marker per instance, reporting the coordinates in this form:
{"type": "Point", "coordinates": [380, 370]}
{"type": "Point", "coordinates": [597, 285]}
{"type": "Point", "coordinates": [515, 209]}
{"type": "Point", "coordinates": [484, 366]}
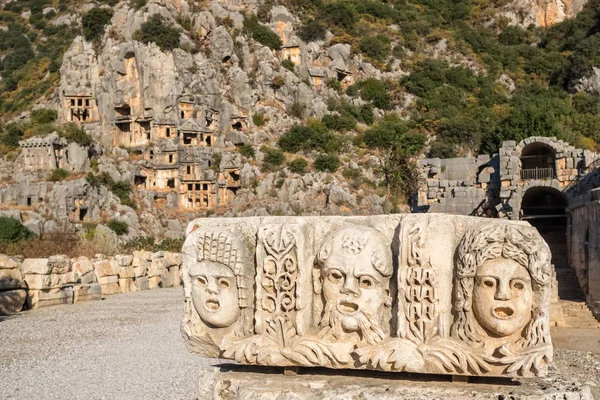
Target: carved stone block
{"type": "Point", "coordinates": [419, 293]}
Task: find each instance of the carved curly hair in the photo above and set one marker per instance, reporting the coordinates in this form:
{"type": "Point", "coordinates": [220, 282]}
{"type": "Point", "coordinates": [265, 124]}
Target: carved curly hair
{"type": "Point", "coordinates": [520, 243]}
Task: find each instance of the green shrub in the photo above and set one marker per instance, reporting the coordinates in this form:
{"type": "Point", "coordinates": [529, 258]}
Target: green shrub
{"type": "Point", "coordinates": [376, 47]}
{"type": "Point", "coordinates": [73, 133]}
{"type": "Point", "coordinates": [311, 31]}
{"type": "Point", "coordinates": [44, 116]}
{"type": "Point", "coordinates": [297, 109]}
{"type": "Point", "coordinates": [12, 231]}
{"type": "Point", "coordinates": [158, 31]}
{"type": "Point", "coordinates": [315, 136]}
{"type": "Point", "coordinates": [247, 151]}
{"type": "Point", "coordinates": [58, 174]}
{"type": "Point", "coordinates": [373, 90]}
{"type": "Point", "coordinates": [352, 173]}
{"type": "Point", "coordinates": [288, 64]}
{"type": "Point", "coordinates": [327, 162]}
{"type": "Point", "coordinates": [258, 119]}
{"type": "Point", "coordinates": [122, 190]}
{"type": "Point", "coordinates": [398, 52]}
{"type": "Point", "coordinates": [137, 4]}
{"type": "Point", "coordinates": [339, 14]}
{"type": "Point", "coordinates": [261, 33]}
{"type": "Point", "coordinates": [273, 157]}
{"type": "Point", "coordinates": [340, 123]}
{"type": "Point", "coordinates": [94, 21]}
{"type": "Point", "coordinates": [12, 134]}
{"type": "Point", "coordinates": [298, 165]}
{"type": "Point", "coordinates": [101, 179]}
{"type": "Point", "coordinates": [118, 227]}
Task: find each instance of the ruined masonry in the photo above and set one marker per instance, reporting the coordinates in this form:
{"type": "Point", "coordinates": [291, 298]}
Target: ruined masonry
{"type": "Point", "coordinates": [41, 282]}
{"type": "Point", "coordinates": [546, 182]}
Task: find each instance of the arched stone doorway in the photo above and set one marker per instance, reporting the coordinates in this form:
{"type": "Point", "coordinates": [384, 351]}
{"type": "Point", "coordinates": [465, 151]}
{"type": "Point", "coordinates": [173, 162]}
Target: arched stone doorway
{"type": "Point", "coordinates": [544, 207]}
{"type": "Point", "coordinates": [538, 161]}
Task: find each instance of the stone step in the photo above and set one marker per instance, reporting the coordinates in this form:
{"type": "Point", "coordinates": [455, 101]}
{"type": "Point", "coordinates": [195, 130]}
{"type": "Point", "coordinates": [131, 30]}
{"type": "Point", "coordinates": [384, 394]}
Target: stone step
{"type": "Point", "coordinates": [578, 315]}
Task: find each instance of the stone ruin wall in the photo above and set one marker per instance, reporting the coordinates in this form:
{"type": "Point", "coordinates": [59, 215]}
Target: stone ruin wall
{"type": "Point", "coordinates": [472, 185]}
{"type": "Point", "coordinates": [584, 246]}
{"type": "Point", "coordinates": [41, 282]}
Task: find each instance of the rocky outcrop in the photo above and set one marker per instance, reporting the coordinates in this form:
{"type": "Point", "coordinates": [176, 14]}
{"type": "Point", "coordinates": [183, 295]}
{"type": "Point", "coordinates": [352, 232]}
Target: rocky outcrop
{"type": "Point", "coordinates": [542, 12]}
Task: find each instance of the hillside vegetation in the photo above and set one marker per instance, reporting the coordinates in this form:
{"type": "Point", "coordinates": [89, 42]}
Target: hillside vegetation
{"type": "Point", "coordinates": [458, 79]}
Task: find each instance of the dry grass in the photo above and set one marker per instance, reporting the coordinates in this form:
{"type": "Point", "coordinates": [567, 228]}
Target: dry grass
{"type": "Point", "coordinates": [57, 243]}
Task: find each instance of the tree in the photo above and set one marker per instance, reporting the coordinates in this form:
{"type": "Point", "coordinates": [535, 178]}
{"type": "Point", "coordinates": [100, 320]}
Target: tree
{"type": "Point", "coordinates": [261, 33]}
{"type": "Point", "coordinates": [327, 162]}
{"type": "Point", "coordinates": [158, 31]}
{"type": "Point", "coordinates": [12, 230]}
{"type": "Point", "coordinates": [395, 144]}
{"type": "Point", "coordinates": [376, 47]}
{"type": "Point", "coordinates": [311, 31]}
{"type": "Point", "coordinates": [94, 21]}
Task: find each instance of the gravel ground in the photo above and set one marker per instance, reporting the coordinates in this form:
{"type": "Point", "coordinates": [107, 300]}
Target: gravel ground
{"type": "Point", "coordinates": [128, 346]}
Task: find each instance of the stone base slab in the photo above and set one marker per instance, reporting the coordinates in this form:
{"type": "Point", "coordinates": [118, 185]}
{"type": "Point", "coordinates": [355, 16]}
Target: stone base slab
{"type": "Point", "coordinates": [12, 301]}
{"type": "Point", "coordinates": [50, 297]}
{"type": "Point", "coordinates": [265, 383]}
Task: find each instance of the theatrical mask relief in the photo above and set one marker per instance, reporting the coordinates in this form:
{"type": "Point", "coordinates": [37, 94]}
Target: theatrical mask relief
{"type": "Point", "coordinates": [418, 293]}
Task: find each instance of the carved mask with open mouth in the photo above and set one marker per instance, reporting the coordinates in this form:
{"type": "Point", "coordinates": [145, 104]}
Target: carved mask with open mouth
{"type": "Point", "coordinates": [215, 294]}
{"type": "Point", "coordinates": [502, 296]}
{"type": "Point", "coordinates": [355, 287]}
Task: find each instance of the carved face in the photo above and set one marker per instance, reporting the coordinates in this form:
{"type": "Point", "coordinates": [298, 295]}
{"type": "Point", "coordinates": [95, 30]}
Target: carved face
{"type": "Point", "coordinates": [215, 293]}
{"type": "Point", "coordinates": [502, 296]}
{"type": "Point", "coordinates": [353, 288]}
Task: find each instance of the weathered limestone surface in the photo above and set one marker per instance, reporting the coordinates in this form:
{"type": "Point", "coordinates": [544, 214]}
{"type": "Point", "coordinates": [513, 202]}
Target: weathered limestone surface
{"type": "Point", "coordinates": [244, 383]}
{"type": "Point", "coordinates": [55, 280]}
{"type": "Point", "coordinates": [419, 293]}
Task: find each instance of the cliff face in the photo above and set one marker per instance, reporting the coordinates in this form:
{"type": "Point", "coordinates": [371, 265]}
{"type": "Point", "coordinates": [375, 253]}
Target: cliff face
{"type": "Point", "coordinates": [544, 13]}
{"type": "Point", "coordinates": [171, 123]}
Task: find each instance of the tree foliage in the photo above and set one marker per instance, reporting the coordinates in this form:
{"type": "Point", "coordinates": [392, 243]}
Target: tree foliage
{"type": "Point", "coordinates": [158, 31]}
{"type": "Point", "coordinates": [94, 21]}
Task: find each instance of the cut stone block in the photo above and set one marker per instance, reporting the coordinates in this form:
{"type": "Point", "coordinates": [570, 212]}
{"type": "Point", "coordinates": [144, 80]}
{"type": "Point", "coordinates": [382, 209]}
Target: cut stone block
{"type": "Point", "coordinates": [126, 272]}
{"type": "Point", "coordinates": [87, 292]}
{"type": "Point", "coordinates": [10, 279]}
{"type": "Point", "coordinates": [141, 283]}
{"type": "Point", "coordinates": [44, 266]}
{"type": "Point", "coordinates": [88, 278]}
{"type": "Point", "coordinates": [50, 297]}
{"type": "Point", "coordinates": [154, 282]}
{"type": "Point", "coordinates": [126, 285]}
{"type": "Point", "coordinates": [247, 383]}
{"type": "Point", "coordinates": [53, 281]}
{"type": "Point", "coordinates": [8, 262]}
{"type": "Point", "coordinates": [171, 278]}
{"type": "Point", "coordinates": [157, 267]}
{"type": "Point", "coordinates": [108, 279]}
{"type": "Point", "coordinates": [419, 293]}
{"type": "Point", "coordinates": [139, 271]}
{"type": "Point", "coordinates": [12, 301]}
{"type": "Point", "coordinates": [82, 265]}
{"type": "Point", "coordinates": [106, 268]}
{"type": "Point", "coordinates": [173, 258]}
{"type": "Point", "coordinates": [110, 288]}
{"type": "Point", "coordinates": [124, 260]}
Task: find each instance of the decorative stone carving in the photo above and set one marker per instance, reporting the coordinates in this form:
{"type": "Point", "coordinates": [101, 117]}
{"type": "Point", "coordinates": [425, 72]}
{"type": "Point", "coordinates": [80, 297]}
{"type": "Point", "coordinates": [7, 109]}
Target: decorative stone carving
{"type": "Point", "coordinates": [418, 293]}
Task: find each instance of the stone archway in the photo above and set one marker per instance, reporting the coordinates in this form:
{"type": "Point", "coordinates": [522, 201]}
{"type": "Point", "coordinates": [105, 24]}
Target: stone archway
{"type": "Point", "coordinates": [538, 161]}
